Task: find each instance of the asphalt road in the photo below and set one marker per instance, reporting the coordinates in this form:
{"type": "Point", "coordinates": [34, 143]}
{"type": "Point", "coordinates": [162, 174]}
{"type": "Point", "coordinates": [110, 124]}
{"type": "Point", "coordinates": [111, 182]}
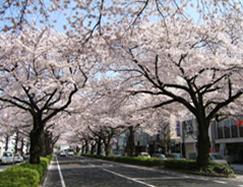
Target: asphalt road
{"type": "Point", "coordinates": [88, 172]}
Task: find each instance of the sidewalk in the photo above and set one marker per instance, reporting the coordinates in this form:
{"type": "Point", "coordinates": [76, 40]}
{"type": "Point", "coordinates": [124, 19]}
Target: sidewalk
{"type": "Point", "coordinates": [238, 168]}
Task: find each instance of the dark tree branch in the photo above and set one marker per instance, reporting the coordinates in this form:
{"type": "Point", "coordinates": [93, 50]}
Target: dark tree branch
{"type": "Point", "coordinates": [56, 111]}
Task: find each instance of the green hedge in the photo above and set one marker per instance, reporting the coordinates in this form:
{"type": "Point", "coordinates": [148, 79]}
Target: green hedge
{"type": "Point", "coordinates": [219, 169]}
{"type": "Point", "coordinates": [181, 164]}
{"type": "Point", "coordinates": [24, 175]}
{"type": "Point", "coordinates": [136, 160]}
{"type": "Point", "coordinates": [18, 176]}
{"type": "Point", "coordinates": [141, 161]}
{"type": "Point", "coordinates": [186, 165]}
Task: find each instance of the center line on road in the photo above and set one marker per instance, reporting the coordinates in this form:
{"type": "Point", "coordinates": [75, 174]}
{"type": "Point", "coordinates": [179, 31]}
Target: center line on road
{"type": "Point", "coordinates": [128, 178]}
{"type": "Point", "coordinates": [60, 173]}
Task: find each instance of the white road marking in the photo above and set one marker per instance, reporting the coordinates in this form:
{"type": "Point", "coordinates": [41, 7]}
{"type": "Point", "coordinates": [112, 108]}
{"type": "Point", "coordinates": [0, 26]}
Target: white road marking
{"type": "Point", "coordinates": [60, 173]}
{"type": "Point", "coordinates": [161, 178]}
{"type": "Point", "coordinates": [128, 178]}
{"type": "Point", "coordinates": [220, 182]}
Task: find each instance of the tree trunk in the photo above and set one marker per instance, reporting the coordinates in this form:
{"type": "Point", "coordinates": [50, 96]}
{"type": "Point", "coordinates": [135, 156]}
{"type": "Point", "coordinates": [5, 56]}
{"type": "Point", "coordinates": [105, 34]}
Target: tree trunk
{"type": "Point", "coordinates": [130, 143]}
{"type": "Point", "coordinates": [22, 146]}
{"type": "Point", "coordinates": [107, 148]}
{"type": "Point", "coordinates": [83, 148]}
{"type": "Point", "coordinates": [35, 148]}
{"type": "Point", "coordinates": [203, 143]}
{"type": "Point", "coordinates": [36, 141]}
{"type": "Point", "coordinates": [99, 146]}
{"type": "Point", "coordinates": [93, 145]}
{"type": "Point", "coordinates": [16, 142]}
{"type": "Point", "coordinates": [77, 149]}
{"type": "Point", "coordinates": [49, 143]}
{"type": "Point", "coordinates": [6, 142]}
{"type": "Point", "coordinates": [43, 145]}
{"type": "Point", "coordinates": [86, 146]}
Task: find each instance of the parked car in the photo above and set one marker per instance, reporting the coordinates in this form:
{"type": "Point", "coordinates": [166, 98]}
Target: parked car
{"type": "Point", "coordinates": [8, 157]}
{"type": "Point", "coordinates": [116, 154]}
{"type": "Point", "coordinates": [159, 155]}
{"type": "Point", "coordinates": [18, 158]}
{"type": "Point", "coordinates": [176, 156]}
{"type": "Point", "coordinates": [26, 156]}
{"type": "Point", "coordinates": [62, 153]}
{"type": "Point", "coordinates": [144, 154]}
{"type": "Point", "coordinates": [57, 153]}
{"type": "Point", "coordinates": [217, 158]}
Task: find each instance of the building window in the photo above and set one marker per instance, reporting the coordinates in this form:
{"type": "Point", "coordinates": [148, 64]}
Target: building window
{"type": "Point", "coordinates": [226, 129]}
{"type": "Point", "coordinates": [220, 130]}
{"type": "Point", "coordinates": [234, 129]}
{"type": "Point", "coordinates": [241, 131]}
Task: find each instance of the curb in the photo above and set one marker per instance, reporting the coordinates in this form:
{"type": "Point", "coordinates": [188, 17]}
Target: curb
{"type": "Point", "coordinates": [44, 177]}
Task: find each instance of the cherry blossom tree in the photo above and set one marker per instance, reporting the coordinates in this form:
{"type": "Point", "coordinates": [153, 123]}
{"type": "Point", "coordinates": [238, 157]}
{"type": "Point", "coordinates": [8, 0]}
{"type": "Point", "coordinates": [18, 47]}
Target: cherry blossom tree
{"type": "Point", "coordinates": [198, 66]}
{"type": "Point", "coordinates": [155, 42]}
{"type": "Point", "coordinates": [40, 73]}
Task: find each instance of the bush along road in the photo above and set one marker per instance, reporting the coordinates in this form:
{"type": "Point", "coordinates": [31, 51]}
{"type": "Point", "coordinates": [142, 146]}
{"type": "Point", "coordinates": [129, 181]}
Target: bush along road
{"type": "Point", "coordinates": [25, 175]}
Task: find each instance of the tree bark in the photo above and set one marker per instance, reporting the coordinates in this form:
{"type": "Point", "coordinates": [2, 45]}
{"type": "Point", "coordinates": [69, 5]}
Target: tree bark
{"type": "Point", "coordinates": [107, 148]}
{"type": "Point", "coordinates": [99, 146]}
{"type": "Point", "coordinates": [130, 143]}
{"type": "Point", "coordinates": [43, 144]}
{"type": "Point", "coordinates": [16, 142]}
{"type": "Point", "coordinates": [35, 146]}
{"type": "Point", "coordinates": [93, 145]}
{"type": "Point", "coordinates": [36, 140]}
{"type": "Point", "coordinates": [22, 146]}
{"type": "Point", "coordinates": [203, 142]}
{"type": "Point", "coordinates": [86, 146]}
{"type": "Point", "coordinates": [6, 142]}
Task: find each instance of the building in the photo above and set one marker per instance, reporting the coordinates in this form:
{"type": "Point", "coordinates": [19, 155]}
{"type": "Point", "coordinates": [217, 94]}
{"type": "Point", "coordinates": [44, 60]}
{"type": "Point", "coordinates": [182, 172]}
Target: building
{"type": "Point", "coordinates": [166, 140]}
{"type": "Point", "coordinates": [226, 138]}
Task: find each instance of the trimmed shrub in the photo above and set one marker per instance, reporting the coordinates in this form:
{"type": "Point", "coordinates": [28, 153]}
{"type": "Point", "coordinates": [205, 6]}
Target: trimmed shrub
{"type": "Point", "coordinates": [131, 160]}
{"type": "Point", "coordinates": [19, 176]}
{"type": "Point", "coordinates": [181, 164]}
{"type": "Point", "coordinates": [218, 169]}
{"type": "Point", "coordinates": [24, 175]}
{"type": "Point", "coordinates": [37, 167]}
{"type": "Point", "coordinates": [49, 157]}
{"type": "Point", "coordinates": [186, 165]}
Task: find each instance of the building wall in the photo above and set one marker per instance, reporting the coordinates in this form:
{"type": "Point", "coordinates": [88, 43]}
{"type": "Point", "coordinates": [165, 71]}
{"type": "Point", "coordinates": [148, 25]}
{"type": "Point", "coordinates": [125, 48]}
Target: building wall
{"type": "Point", "coordinates": [226, 137]}
{"type": "Point", "coordinates": [229, 139]}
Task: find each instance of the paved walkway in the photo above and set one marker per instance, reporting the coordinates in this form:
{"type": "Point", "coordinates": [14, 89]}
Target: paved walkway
{"type": "Point", "coordinates": [238, 169]}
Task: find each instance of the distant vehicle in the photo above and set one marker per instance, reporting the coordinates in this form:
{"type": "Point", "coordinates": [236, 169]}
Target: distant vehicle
{"type": "Point", "coordinates": [144, 154]}
{"type": "Point", "coordinates": [69, 152]}
{"type": "Point", "coordinates": [217, 158]}
{"type": "Point", "coordinates": [57, 153]}
{"type": "Point", "coordinates": [159, 155]}
{"type": "Point", "coordinates": [8, 157]}
{"type": "Point", "coordinates": [116, 154]}
{"type": "Point", "coordinates": [62, 153]}
{"type": "Point", "coordinates": [176, 156]}
{"type": "Point", "coordinates": [18, 158]}
{"type": "Point", "coordinates": [26, 156]}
